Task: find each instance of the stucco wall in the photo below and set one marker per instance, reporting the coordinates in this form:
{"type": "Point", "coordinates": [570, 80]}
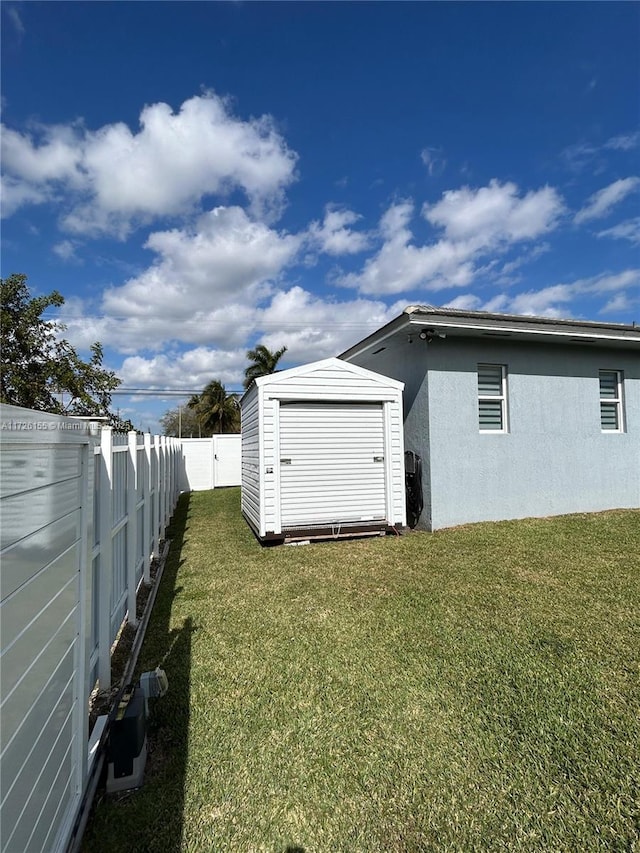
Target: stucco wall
{"type": "Point", "coordinates": [553, 460]}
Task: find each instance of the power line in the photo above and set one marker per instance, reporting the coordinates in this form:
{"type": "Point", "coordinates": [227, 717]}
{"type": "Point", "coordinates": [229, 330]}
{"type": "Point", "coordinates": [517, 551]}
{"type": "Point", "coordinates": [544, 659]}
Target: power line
{"type": "Point", "coordinates": [166, 392]}
{"type": "Point", "coordinates": [325, 325]}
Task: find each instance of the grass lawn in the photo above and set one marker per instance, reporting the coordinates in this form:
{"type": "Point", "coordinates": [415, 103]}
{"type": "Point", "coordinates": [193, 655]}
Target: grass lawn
{"type": "Point", "coordinates": [472, 689]}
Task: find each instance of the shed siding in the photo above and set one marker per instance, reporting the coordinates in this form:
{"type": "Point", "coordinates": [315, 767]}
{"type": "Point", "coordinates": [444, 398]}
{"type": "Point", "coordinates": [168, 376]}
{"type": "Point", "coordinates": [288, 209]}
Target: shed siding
{"type": "Point", "coordinates": [251, 457]}
{"type": "Point", "coordinates": [396, 465]}
{"type": "Point", "coordinates": [271, 466]}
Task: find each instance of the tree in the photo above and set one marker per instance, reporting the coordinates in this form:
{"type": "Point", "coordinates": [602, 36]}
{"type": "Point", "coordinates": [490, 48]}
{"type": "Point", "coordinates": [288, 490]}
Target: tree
{"type": "Point", "coordinates": [183, 423]}
{"type": "Point", "coordinates": [40, 369]}
{"type": "Point", "coordinates": [263, 363]}
{"type": "Point", "coordinates": [216, 410]}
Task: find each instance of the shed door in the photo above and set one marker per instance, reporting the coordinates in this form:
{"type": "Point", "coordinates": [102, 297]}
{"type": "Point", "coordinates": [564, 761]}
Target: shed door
{"type": "Point", "coordinates": [332, 468]}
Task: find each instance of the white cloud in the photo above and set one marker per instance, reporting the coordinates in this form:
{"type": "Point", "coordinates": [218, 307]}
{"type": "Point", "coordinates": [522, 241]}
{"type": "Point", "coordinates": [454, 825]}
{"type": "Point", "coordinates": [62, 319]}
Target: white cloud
{"type": "Point", "coordinates": [601, 202]}
{"type": "Point", "coordinates": [66, 250]}
{"type": "Point", "coordinates": [495, 213]}
{"type": "Point", "coordinates": [583, 155]}
{"type": "Point", "coordinates": [16, 20]}
{"type": "Point", "coordinates": [556, 300]}
{"type": "Point", "coordinates": [433, 160]}
{"type": "Point", "coordinates": [225, 259]}
{"type": "Point", "coordinates": [508, 269]}
{"type": "Point", "coordinates": [313, 328]}
{"type": "Point", "coordinates": [203, 287]}
{"type": "Point", "coordinates": [308, 326]}
{"type": "Point", "coordinates": [400, 266]}
{"type": "Point", "coordinates": [620, 302]}
{"type": "Point", "coordinates": [57, 157]}
{"type": "Point", "coordinates": [627, 230]}
{"type": "Point", "coordinates": [118, 178]}
{"type": "Point", "coordinates": [607, 282]}
{"type": "Point", "coordinates": [475, 223]}
{"type": "Point", "coordinates": [15, 194]}
{"type": "Point", "coordinates": [188, 370]}
{"type": "Point", "coordinates": [548, 302]}
{"type": "Point", "coordinates": [464, 302]}
{"type": "Point", "coordinates": [624, 142]}
{"type": "Point", "coordinates": [334, 236]}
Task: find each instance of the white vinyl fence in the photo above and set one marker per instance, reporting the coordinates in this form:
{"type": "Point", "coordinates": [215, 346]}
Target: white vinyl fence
{"type": "Point", "coordinates": [82, 513]}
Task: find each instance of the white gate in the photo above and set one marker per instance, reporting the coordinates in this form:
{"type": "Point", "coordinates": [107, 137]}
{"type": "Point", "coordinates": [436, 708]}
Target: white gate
{"type": "Point", "coordinates": [332, 467]}
{"type": "Point", "coordinates": [211, 462]}
{"type": "Point", "coordinates": [227, 454]}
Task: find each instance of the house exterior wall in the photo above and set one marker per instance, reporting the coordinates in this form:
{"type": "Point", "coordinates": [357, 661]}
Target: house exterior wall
{"type": "Point", "coordinates": [553, 460]}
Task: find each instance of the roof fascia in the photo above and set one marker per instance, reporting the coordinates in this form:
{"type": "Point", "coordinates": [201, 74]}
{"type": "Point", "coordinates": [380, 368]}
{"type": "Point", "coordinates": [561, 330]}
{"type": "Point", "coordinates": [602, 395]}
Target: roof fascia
{"type": "Point", "coordinates": [377, 337]}
{"type": "Point", "coordinates": [524, 328]}
{"type": "Point", "coordinates": [507, 325]}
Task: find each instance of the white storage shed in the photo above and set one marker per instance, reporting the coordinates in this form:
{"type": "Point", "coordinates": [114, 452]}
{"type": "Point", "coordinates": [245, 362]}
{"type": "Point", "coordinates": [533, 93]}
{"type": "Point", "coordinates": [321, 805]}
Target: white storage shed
{"type": "Point", "coordinates": [323, 452]}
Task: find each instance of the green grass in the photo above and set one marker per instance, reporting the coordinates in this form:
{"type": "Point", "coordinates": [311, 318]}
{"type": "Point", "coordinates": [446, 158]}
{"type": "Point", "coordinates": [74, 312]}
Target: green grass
{"type": "Point", "coordinates": [472, 689]}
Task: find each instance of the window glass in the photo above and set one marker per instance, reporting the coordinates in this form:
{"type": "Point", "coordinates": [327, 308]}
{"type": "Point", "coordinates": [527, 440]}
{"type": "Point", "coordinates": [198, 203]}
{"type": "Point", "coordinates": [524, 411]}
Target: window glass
{"type": "Point", "coordinates": [492, 410]}
{"type": "Point", "coordinates": [610, 400]}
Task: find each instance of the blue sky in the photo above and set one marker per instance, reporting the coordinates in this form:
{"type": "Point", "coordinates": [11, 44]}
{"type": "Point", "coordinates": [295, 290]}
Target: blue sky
{"type": "Point", "coordinates": [195, 178]}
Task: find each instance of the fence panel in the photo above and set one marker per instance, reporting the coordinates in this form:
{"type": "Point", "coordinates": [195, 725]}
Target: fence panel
{"type": "Point", "coordinates": [83, 512]}
{"type": "Point", "coordinates": [47, 473]}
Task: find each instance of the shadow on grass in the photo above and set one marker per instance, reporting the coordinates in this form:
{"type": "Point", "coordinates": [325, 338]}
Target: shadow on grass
{"type": "Point", "coordinates": [151, 818]}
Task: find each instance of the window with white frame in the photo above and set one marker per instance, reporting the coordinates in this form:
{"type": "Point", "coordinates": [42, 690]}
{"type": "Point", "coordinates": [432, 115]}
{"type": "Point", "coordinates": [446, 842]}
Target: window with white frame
{"type": "Point", "coordinates": [492, 397]}
{"type": "Point", "coordinates": [611, 415]}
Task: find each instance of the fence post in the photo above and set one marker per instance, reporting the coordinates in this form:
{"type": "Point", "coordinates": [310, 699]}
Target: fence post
{"type": "Point", "coordinates": [85, 610]}
{"type": "Point", "coordinates": [167, 479]}
{"type": "Point", "coordinates": [132, 525]}
{"type": "Point", "coordinates": [146, 512]}
{"type": "Point", "coordinates": [105, 522]}
{"type": "Point", "coordinates": [174, 475]}
{"type": "Point", "coordinates": [177, 452]}
{"type": "Point", "coordinates": [167, 485]}
{"type": "Point", "coordinates": [162, 474]}
{"type": "Point", "coordinates": [156, 497]}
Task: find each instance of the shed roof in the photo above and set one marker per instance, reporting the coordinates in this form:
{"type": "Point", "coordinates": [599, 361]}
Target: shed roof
{"type": "Point", "coordinates": [284, 376]}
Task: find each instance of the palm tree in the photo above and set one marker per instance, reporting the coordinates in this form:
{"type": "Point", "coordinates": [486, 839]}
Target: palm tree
{"type": "Point", "coordinates": [263, 363]}
{"type": "Point", "coordinates": [216, 410]}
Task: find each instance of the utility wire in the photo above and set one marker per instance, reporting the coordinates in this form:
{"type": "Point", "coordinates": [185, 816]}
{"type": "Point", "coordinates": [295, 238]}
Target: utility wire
{"type": "Point", "coordinates": [167, 392]}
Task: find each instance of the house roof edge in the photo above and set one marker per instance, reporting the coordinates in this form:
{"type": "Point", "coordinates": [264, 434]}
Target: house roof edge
{"type": "Point", "coordinates": [480, 321]}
